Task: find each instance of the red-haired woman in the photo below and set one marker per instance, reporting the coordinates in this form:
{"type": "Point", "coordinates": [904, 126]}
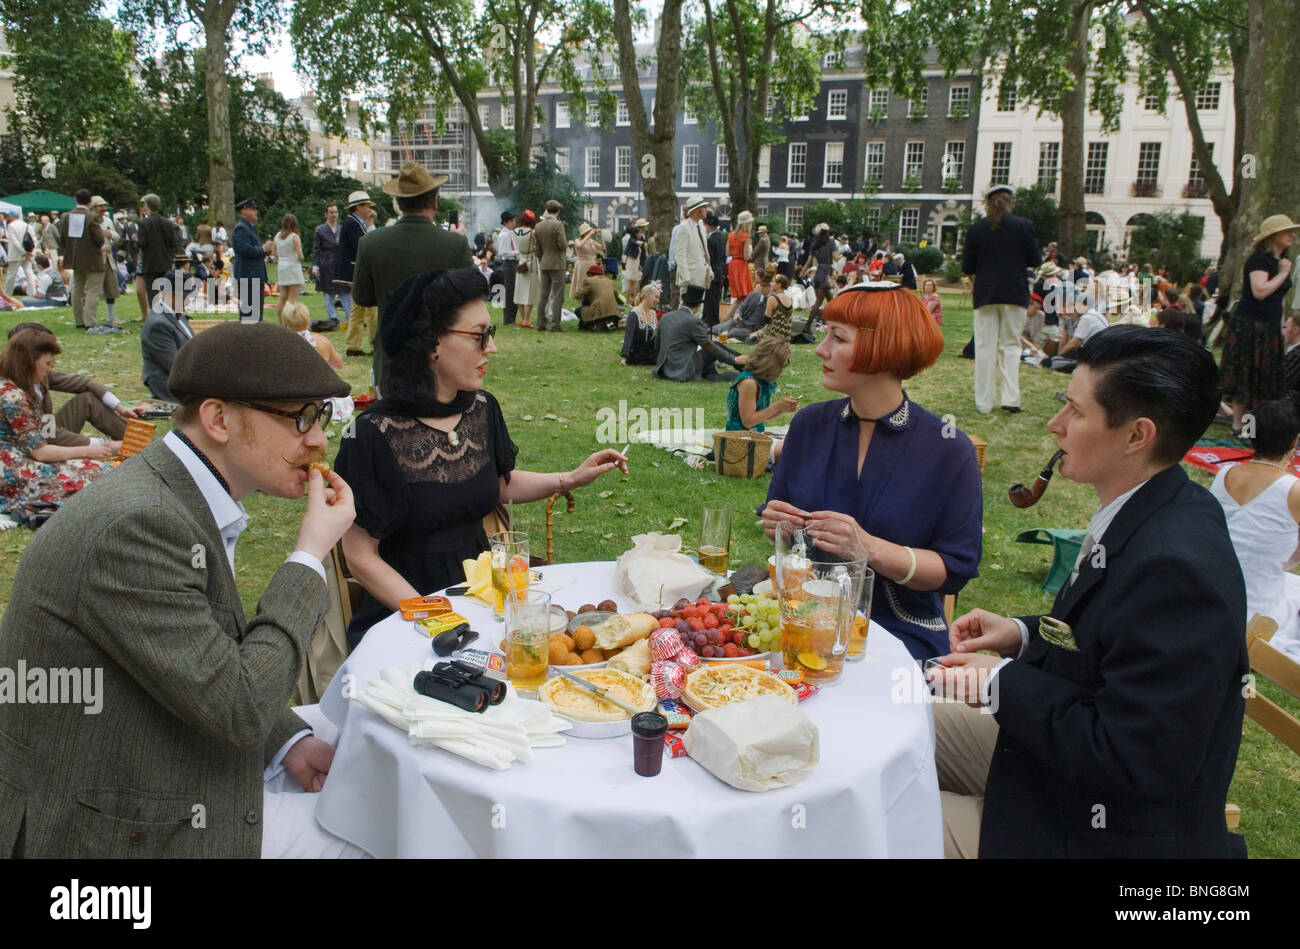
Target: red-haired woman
{"type": "Point", "coordinates": [30, 467]}
{"type": "Point", "coordinates": [876, 470]}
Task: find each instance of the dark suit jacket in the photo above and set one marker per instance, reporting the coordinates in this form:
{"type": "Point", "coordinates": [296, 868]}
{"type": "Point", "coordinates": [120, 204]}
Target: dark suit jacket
{"type": "Point", "coordinates": [325, 258]}
{"type": "Point", "coordinates": [160, 242]}
{"type": "Point", "coordinates": [85, 253]}
{"type": "Point", "coordinates": [249, 254]}
{"type": "Point", "coordinates": [389, 256]}
{"type": "Point", "coordinates": [160, 340]}
{"type": "Point", "coordinates": [351, 230]}
{"type": "Point", "coordinates": [681, 334]}
{"type": "Point", "coordinates": [1126, 747]}
{"type": "Point", "coordinates": [717, 245]}
{"type": "Point", "coordinates": [998, 258]}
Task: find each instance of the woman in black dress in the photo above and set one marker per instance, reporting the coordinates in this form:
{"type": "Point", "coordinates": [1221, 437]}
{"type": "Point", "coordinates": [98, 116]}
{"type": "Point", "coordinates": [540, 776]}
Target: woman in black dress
{"type": "Point", "coordinates": [1252, 350]}
{"type": "Point", "coordinates": [433, 457]}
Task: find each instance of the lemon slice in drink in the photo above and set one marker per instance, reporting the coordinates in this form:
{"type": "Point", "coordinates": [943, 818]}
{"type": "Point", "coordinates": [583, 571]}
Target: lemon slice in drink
{"type": "Point", "coordinates": [812, 661]}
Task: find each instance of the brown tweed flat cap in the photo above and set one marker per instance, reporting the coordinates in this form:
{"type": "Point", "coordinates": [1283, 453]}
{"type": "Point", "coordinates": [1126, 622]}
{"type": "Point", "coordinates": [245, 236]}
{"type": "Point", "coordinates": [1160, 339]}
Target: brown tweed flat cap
{"type": "Point", "coordinates": [261, 361]}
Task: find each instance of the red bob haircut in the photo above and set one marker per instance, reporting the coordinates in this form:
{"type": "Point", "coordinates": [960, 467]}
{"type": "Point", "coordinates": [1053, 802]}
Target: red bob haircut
{"type": "Point", "coordinates": [902, 337]}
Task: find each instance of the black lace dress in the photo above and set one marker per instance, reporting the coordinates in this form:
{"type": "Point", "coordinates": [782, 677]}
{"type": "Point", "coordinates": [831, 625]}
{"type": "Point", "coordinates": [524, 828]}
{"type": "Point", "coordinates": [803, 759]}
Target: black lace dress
{"type": "Point", "coordinates": [423, 494]}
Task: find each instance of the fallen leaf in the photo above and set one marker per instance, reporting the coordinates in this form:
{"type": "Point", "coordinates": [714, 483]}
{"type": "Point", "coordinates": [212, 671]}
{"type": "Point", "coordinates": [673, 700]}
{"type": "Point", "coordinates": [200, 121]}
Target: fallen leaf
{"type": "Point", "coordinates": [676, 523]}
{"type": "Point", "coordinates": [526, 418]}
{"type": "Point", "coordinates": [607, 494]}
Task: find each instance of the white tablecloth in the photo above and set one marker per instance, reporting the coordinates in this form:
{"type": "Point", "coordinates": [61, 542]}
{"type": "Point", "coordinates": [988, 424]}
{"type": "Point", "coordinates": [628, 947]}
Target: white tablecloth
{"type": "Point", "coordinates": [873, 794]}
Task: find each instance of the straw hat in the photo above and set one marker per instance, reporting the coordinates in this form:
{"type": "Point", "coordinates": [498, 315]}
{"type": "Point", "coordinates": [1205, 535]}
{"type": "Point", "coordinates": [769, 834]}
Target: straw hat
{"type": "Point", "coordinates": [98, 202]}
{"type": "Point", "coordinates": [1273, 224]}
{"type": "Point", "coordinates": [695, 204]}
{"type": "Point", "coordinates": [1048, 269]}
{"type": "Point", "coordinates": [359, 197]}
{"type": "Point", "coordinates": [745, 218]}
{"type": "Point", "coordinates": [411, 181]}
{"type": "Point", "coordinates": [640, 222]}
{"type": "Point", "coordinates": [584, 229]}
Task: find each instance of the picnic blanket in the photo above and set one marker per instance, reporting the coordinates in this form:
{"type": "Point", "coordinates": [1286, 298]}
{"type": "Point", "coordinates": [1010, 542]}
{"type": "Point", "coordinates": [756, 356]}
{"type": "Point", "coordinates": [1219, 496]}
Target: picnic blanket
{"type": "Point", "coordinates": [1212, 457]}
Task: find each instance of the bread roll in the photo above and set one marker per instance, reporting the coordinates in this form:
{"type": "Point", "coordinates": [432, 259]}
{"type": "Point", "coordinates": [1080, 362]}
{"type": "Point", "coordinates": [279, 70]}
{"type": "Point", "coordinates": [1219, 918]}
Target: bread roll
{"type": "Point", "coordinates": [635, 659]}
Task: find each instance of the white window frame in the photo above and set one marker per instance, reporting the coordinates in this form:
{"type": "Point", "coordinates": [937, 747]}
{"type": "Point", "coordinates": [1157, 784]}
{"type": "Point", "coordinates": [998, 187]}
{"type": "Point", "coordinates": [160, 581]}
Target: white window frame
{"type": "Point", "coordinates": [690, 166]}
{"type": "Point", "coordinates": [480, 171]}
{"type": "Point", "coordinates": [689, 117]}
{"type": "Point", "coordinates": [507, 115]}
{"type": "Point", "coordinates": [960, 162]}
{"type": "Point", "coordinates": [1000, 173]}
{"type": "Point", "coordinates": [874, 147]}
{"type": "Point", "coordinates": [1194, 173]}
{"type": "Point", "coordinates": [837, 105]}
{"type": "Point", "coordinates": [562, 119]}
{"type": "Point", "coordinates": [562, 159]}
{"type": "Point", "coordinates": [793, 217]}
{"type": "Point", "coordinates": [836, 180]}
{"type": "Point", "coordinates": [1100, 150]}
{"type": "Point", "coordinates": [623, 166]}
{"type": "Point", "coordinates": [1148, 170]}
{"type": "Point", "coordinates": [589, 165]}
{"type": "Point", "coordinates": [1053, 149]}
{"type": "Point", "coordinates": [952, 97]}
{"type": "Point", "coordinates": [484, 115]}
{"type": "Point", "coordinates": [914, 214]}
{"type": "Point", "coordinates": [721, 170]}
{"type": "Point", "coordinates": [1208, 97]}
{"type": "Point", "coordinates": [1150, 103]}
{"type": "Point", "coordinates": [621, 114]}
{"type": "Point", "coordinates": [802, 165]}
{"type": "Point", "coordinates": [924, 100]}
{"type": "Point", "coordinates": [914, 159]}
{"type": "Point", "coordinates": [879, 100]}
{"type": "Point", "coordinates": [1006, 101]}
{"type": "Point", "coordinates": [765, 166]}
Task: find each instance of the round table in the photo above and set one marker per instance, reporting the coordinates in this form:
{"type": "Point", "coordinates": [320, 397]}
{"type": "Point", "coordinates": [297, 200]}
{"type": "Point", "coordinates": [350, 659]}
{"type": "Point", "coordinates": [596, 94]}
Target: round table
{"type": "Point", "coordinates": [874, 792]}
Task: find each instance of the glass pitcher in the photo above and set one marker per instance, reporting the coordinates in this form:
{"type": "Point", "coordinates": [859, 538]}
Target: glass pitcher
{"type": "Point", "coordinates": [819, 593]}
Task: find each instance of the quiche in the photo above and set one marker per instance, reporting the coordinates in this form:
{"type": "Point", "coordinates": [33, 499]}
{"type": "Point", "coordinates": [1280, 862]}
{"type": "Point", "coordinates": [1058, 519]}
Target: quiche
{"type": "Point", "coordinates": [575, 702]}
{"type": "Point", "coordinates": [716, 684]}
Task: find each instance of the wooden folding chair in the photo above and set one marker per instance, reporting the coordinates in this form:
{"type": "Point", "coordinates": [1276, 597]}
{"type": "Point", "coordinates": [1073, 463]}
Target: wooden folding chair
{"type": "Point", "coordinates": [981, 447]}
{"type": "Point", "coordinates": [329, 647]}
{"type": "Point", "coordinates": [1283, 671]}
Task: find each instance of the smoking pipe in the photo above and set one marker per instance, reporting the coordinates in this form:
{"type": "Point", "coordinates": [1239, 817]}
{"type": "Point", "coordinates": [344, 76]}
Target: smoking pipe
{"type": "Point", "coordinates": [1022, 496]}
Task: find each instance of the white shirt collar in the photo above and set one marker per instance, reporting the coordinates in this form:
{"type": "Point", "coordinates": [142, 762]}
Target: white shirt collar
{"type": "Point", "coordinates": [1102, 519]}
{"type": "Point", "coordinates": [229, 514]}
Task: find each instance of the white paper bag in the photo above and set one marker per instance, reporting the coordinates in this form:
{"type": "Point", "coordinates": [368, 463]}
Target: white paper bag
{"type": "Point", "coordinates": [655, 574]}
{"type": "Point", "coordinates": [758, 745]}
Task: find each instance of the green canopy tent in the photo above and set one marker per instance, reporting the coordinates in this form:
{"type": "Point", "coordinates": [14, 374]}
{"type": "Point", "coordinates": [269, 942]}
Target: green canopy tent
{"type": "Point", "coordinates": [41, 200]}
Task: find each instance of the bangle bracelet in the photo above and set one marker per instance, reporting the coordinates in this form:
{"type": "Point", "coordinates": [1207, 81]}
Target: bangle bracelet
{"type": "Point", "coordinates": [911, 572]}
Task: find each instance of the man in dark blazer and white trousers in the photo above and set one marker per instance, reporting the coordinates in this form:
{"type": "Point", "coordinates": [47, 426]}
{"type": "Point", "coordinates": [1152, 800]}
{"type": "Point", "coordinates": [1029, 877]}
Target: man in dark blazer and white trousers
{"type": "Point", "coordinates": [1116, 720]}
{"type": "Point", "coordinates": [166, 329]}
{"type": "Point", "coordinates": [135, 582]}
{"type": "Point", "coordinates": [249, 264]}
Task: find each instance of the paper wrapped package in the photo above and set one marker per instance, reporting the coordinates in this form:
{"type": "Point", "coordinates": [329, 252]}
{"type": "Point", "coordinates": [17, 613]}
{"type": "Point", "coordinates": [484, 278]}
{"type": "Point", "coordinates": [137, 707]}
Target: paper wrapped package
{"type": "Point", "coordinates": [758, 745]}
{"type": "Point", "coordinates": [655, 573]}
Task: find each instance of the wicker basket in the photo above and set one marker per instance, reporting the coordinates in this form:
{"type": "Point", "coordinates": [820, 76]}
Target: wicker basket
{"type": "Point", "coordinates": [198, 326]}
{"type": "Point", "coordinates": [741, 454]}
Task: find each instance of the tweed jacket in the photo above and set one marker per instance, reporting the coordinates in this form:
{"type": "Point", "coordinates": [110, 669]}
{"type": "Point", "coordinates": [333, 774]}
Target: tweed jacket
{"type": "Point", "coordinates": [84, 253]}
{"type": "Point", "coordinates": [75, 385]}
{"type": "Point", "coordinates": [549, 243]}
{"type": "Point", "coordinates": [130, 577]}
{"type": "Point", "coordinates": [160, 340]}
{"type": "Point", "coordinates": [389, 256]}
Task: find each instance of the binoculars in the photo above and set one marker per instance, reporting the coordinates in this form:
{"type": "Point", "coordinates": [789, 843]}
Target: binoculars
{"type": "Point", "coordinates": [462, 685]}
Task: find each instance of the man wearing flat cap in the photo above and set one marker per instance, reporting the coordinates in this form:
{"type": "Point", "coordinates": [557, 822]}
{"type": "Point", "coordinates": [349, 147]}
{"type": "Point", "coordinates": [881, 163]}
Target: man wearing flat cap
{"type": "Point", "coordinates": [390, 256]}
{"type": "Point", "coordinates": [168, 749]}
{"type": "Point", "coordinates": [249, 265]}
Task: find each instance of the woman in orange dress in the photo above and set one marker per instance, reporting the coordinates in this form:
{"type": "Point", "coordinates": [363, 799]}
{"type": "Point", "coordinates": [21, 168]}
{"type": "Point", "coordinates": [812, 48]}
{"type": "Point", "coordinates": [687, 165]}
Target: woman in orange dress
{"type": "Point", "coordinates": [741, 249]}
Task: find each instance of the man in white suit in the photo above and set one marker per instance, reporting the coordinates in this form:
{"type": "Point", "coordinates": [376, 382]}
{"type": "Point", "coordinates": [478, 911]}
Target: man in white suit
{"type": "Point", "coordinates": [689, 248]}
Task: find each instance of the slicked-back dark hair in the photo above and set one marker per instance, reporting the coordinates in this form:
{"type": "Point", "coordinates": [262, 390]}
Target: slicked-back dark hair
{"type": "Point", "coordinates": [1153, 373]}
{"type": "Point", "coordinates": [1276, 426]}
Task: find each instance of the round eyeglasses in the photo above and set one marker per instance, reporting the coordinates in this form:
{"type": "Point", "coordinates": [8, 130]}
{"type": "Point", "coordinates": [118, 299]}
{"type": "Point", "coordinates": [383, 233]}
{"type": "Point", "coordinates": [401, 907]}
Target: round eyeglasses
{"type": "Point", "coordinates": [304, 418]}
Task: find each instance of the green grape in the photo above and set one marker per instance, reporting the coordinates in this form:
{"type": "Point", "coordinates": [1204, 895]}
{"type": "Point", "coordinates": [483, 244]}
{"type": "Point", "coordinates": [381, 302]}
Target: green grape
{"type": "Point", "coordinates": [753, 641]}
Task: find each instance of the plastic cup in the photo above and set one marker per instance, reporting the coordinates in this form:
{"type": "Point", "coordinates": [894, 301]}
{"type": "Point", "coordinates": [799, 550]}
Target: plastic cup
{"type": "Point", "coordinates": [648, 730]}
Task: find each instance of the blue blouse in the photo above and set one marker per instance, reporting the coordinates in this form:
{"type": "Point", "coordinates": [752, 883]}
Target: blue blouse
{"type": "Point", "coordinates": [920, 486]}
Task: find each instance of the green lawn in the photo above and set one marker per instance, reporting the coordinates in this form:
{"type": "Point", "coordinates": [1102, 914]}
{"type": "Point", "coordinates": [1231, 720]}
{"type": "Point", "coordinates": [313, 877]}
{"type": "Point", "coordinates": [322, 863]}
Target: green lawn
{"type": "Point", "coordinates": [571, 376]}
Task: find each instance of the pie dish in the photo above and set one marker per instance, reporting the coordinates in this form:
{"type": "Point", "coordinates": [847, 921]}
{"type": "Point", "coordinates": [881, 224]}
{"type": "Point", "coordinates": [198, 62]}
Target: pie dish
{"type": "Point", "coordinates": [718, 684]}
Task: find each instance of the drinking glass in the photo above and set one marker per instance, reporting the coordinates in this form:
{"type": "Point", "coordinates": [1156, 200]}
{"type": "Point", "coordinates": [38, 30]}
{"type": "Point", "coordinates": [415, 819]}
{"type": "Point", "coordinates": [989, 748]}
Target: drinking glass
{"type": "Point", "coordinates": [509, 564]}
{"type": "Point", "coordinates": [820, 594]}
{"type": "Point", "coordinates": [715, 538]}
{"type": "Point", "coordinates": [858, 635]}
{"type": "Point", "coordinates": [528, 638]}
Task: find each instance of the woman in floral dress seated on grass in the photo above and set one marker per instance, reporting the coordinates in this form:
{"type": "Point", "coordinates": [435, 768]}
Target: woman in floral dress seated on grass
{"type": "Point", "coordinates": [31, 468]}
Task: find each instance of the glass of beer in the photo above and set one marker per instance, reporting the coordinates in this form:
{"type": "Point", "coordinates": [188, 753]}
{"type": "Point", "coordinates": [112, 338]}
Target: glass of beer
{"type": "Point", "coordinates": [509, 564]}
{"type": "Point", "coordinates": [715, 538]}
{"type": "Point", "coordinates": [858, 635]}
{"type": "Point", "coordinates": [528, 638]}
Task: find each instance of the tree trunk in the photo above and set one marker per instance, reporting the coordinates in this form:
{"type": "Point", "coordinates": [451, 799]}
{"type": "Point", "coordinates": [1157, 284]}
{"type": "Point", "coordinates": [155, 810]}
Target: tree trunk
{"type": "Point", "coordinates": [216, 87]}
{"type": "Point", "coordinates": [654, 147]}
{"type": "Point", "coordinates": [1074, 106]}
{"type": "Point", "coordinates": [1272, 124]}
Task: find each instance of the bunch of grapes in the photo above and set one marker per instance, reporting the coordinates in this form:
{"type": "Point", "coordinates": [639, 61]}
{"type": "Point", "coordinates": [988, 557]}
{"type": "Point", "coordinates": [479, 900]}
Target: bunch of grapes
{"type": "Point", "coordinates": [760, 617]}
